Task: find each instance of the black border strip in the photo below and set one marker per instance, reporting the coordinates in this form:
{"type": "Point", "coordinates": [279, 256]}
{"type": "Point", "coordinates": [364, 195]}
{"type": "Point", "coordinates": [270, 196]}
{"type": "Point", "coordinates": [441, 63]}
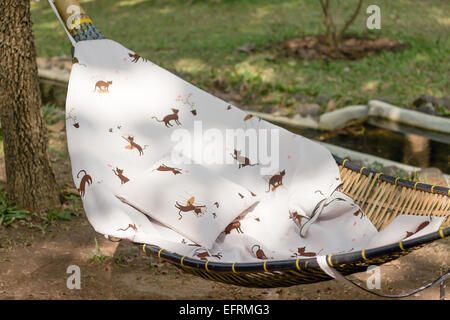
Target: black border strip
{"type": "Point", "coordinates": [304, 263]}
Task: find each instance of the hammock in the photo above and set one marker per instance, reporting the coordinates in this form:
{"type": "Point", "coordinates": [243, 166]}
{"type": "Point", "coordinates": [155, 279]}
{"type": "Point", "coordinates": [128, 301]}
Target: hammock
{"type": "Point", "coordinates": [380, 197]}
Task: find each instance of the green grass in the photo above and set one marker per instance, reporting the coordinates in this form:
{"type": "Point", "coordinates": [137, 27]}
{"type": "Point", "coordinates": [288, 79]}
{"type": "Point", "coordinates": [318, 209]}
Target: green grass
{"type": "Point", "coordinates": [52, 114]}
{"type": "Point", "coordinates": [198, 39]}
{"type": "Point", "coordinates": [97, 255]}
{"type": "Point", "coordinates": [9, 213]}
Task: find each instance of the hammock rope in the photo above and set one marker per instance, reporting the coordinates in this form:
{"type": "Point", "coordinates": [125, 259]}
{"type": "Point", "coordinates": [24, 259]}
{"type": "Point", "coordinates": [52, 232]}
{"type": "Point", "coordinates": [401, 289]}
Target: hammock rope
{"type": "Point", "coordinates": [325, 265]}
{"type": "Point", "coordinates": [52, 5]}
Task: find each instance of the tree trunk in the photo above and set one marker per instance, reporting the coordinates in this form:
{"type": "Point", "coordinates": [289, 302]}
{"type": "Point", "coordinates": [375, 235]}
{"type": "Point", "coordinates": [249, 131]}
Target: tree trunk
{"type": "Point", "coordinates": [31, 182]}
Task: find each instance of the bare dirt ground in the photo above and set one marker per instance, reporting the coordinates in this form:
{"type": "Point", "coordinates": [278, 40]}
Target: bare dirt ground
{"type": "Point", "coordinates": [33, 264]}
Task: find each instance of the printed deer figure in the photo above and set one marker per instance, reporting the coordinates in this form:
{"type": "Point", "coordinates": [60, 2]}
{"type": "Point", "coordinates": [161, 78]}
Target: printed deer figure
{"type": "Point", "coordinates": [102, 86]}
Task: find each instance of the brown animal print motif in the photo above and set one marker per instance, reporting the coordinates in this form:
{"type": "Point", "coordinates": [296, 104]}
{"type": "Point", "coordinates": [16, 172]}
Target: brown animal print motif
{"type": "Point", "coordinates": [197, 209]}
{"type": "Point", "coordinates": [276, 180]}
{"type": "Point", "coordinates": [133, 145]}
{"type": "Point", "coordinates": [183, 241]}
{"type": "Point", "coordinates": [74, 119]}
{"type": "Point", "coordinates": [303, 253]}
{"type": "Point", "coordinates": [241, 195]}
{"type": "Point", "coordinates": [296, 217]}
{"type": "Point", "coordinates": [259, 252]}
{"type": "Point", "coordinates": [135, 57]}
{"type": "Point", "coordinates": [216, 204]}
{"type": "Point", "coordinates": [86, 179]}
{"type": "Point", "coordinates": [420, 227]}
{"type": "Point", "coordinates": [253, 194]}
{"type": "Point", "coordinates": [119, 173]}
{"type": "Point", "coordinates": [359, 213]}
{"type": "Point", "coordinates": [102, 86]}
{"type": "Point", "coordinates": [75, 61]}
{"type": "Point", "coordinates": [186, 101]}
{"type": "Point", "coordinates": [170, 117]}
{"type": "Point", "coordinates": [250, 116]}
{"type": "Point", "coordinates": [242, 161]}
{"type": "Point", "coordinates": [163, 167]}
{"type": "Point", "coordinates": [204, 255]}
{"type": "Point", "coordinates": [132, 226]}
{"type": "Point", "coordinates": [234, 225]}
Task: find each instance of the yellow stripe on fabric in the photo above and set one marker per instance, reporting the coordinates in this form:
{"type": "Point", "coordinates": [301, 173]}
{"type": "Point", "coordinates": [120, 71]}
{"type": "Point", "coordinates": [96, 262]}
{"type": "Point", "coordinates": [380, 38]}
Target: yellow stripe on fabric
{"type": "Point", "coordinates": [78, 22]}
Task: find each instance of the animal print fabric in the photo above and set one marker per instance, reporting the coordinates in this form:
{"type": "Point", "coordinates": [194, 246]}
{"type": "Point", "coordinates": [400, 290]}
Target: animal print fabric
{"type": "Point", "coordinates": [205, 203]}
{"type": "Point", "coordinates": [124, 114]}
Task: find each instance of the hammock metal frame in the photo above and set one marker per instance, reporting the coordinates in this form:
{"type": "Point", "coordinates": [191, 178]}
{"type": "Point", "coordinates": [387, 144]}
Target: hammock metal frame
{"type": "Point", "coordinates": [381, 197]}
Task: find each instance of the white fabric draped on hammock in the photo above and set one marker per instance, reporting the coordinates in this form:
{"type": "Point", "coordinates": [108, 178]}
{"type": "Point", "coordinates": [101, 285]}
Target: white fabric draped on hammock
{"type": "Point", "coordinates": [159, 161]}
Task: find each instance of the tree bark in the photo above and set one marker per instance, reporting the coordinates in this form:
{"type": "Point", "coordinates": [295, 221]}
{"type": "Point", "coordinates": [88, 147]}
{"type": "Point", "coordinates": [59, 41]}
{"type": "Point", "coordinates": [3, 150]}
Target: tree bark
{"type": "Point", "coordinates": [31, 182]}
